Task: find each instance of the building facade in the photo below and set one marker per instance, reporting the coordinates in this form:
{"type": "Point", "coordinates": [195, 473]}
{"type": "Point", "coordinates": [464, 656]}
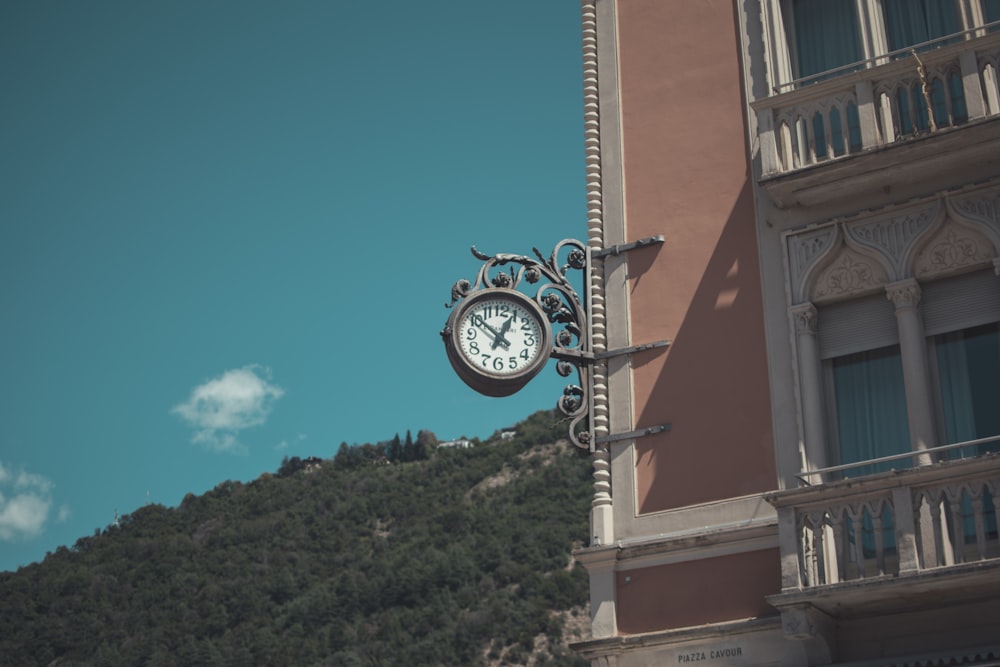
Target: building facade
{"type": "Point", "coordinates": [808, 473]}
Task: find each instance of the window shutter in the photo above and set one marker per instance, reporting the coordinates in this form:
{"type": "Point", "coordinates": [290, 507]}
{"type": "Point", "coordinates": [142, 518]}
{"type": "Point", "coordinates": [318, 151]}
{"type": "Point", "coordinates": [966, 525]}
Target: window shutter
{"type": "Point", "coordinates": [957, 303]}
{"type": "Point", "coordinates": [857, 325]}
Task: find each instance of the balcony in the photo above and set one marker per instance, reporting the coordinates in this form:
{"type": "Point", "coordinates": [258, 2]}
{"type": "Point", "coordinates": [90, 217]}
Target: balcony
{"type": "Point", "coordinates": [909, 116]}
{"type": "Point", "coordinates": [891, 541]}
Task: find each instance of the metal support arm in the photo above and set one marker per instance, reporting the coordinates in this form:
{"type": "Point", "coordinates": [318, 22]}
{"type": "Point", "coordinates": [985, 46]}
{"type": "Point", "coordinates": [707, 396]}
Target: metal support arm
{"type": "Point", "coordinates": [569, 314]}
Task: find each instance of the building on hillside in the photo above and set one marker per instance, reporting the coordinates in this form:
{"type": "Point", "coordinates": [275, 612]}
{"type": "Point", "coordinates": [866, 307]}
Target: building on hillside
{"type": "Point", "coordinates": [460, 443]}
{"type": "Point", "coordinates": [783, 484]}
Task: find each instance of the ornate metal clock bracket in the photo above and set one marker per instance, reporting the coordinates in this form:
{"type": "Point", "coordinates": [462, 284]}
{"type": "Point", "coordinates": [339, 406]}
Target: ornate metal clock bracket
{"type": "Point", "coordinates": [572, 345]}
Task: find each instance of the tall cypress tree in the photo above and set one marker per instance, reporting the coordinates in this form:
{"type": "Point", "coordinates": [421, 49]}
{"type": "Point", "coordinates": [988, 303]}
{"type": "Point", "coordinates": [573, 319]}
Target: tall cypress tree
{"type": "Point", "coordinates": [395, 452]}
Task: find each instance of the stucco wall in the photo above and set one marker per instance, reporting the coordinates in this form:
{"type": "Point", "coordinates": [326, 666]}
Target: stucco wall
{"type": "Point", "coordinates": [687, 176]}
{"type": "Point", "coordinates": [697, 592]}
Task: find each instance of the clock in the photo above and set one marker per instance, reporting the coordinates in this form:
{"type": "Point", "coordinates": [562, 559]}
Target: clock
{"type": "Point", "coordinates": [497, 340]}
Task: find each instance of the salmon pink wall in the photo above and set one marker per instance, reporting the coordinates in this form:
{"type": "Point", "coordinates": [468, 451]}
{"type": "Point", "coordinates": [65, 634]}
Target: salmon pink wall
{"type": "Point", "coordinates": [687, 176]}
{"type": "Point", "coordinates": [697, 592]}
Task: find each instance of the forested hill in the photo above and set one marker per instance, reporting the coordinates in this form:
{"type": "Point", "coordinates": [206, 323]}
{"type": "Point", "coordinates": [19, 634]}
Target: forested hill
{"type": "Point", "coordinates": [456, 557]}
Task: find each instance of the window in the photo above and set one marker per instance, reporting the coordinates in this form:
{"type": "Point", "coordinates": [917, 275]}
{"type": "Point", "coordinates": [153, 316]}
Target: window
{"type": "Point", "coordinates": [866, 418]}
{"type": "Point", "coordinates": [968, 365]}
{"type": "Point", "coordinates": [867, 415]}
{"type": "Point", "coordinates": [824, 34]}
{"type": "Point", "coordinates": [991, 11]}
{"type": "Point", "coordinates": [870, 402]}
{"type": "Point", "coordinates": [910, 22]}
{"type": "Point", "coordinates": [962, 322]}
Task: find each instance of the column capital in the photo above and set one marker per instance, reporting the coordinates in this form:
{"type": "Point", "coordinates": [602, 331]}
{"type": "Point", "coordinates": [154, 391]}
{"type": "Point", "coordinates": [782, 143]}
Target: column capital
{"type": "Point", "coordinates": [805, 317]}
{"type": "Point", "coordinates": [903, 293]}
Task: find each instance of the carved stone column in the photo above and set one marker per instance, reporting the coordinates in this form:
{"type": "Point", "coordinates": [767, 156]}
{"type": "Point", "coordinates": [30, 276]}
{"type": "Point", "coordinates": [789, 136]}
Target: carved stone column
{"type": "Point", "coordinates": [810, 386]}
{"type": "Point", "coordinates": [905, 295]}
{"type": "Point", "coordinates": [601, 516]}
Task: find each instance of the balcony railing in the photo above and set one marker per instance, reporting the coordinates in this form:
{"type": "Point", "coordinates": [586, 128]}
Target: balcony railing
{"type": "Point", "coordinates": [889, 99]}
{"type": "Point", "coordinates": [889, 524]}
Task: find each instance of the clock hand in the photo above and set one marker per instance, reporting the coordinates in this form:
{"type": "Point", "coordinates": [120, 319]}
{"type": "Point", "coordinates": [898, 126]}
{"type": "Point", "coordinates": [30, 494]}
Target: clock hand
{"type": "Point", "coordinates": [499, 338]}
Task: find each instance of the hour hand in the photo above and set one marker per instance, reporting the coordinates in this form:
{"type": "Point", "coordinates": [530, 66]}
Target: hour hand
{"type": "Point", "coordinates": [500, 340]}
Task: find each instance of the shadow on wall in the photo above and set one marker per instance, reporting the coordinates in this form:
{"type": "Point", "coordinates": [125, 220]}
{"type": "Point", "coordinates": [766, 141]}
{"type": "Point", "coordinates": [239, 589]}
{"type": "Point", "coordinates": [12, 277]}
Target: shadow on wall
{"type": "Point", "coordinates": [713, 384]}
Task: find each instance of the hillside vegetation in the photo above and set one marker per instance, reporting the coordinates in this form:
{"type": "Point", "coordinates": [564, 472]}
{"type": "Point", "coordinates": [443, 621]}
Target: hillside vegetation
{"type": "Point", "coordinates": [461, 557]}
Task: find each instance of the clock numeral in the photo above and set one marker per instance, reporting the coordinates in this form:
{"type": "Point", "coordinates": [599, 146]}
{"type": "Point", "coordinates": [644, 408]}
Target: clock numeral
{"type": "Point", "coordinates": [495, 310]}
{"type": "Point", "coordinates": [470, 334]}
{"type": "Point", "coordinates": [529, 340]}
{"type": "Point", "coordinates": [474, 347]}
{"type": "Point", "coordinates": [486, 357]}
{"type": "Point", "coordinates": [512, 363]}
{"type": "Point", "coordinates": [526, 326]}
{"type": "Point", "coordinates": [524, 354]}
{"type": "Point", "coordinates": [498, 363]}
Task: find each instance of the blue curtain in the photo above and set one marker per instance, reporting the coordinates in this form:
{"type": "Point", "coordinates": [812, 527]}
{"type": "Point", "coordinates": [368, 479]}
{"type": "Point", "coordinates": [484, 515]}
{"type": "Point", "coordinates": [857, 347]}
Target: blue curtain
{"type": "Point", "coordinates": [871, 408]}
{"type": "Point", "coordinates": [968, 370]}
{"type": "Point", "coordinates": [826, 34]}
{"type": "Point", "coordinates": [871, 422]}
{"type": "Point", "coordinates": [991, 8]}
{"type": "Point", "coordinates": [910, 22]}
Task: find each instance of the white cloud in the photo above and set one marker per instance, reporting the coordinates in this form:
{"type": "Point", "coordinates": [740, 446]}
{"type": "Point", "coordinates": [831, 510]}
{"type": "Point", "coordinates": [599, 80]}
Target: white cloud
{"type": "Point", "coordinates": [222, 407]}
{"type": "Point", "coordinates": [284, 444]}
{"type": "Point", "coordinates": [25, 502]}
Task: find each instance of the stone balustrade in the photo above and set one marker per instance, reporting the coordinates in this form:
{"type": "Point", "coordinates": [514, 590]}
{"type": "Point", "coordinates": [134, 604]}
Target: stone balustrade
{"type": "Point", "coordinates": [887, 100]}
{"type": "Point", "coordinates": [890, 523]}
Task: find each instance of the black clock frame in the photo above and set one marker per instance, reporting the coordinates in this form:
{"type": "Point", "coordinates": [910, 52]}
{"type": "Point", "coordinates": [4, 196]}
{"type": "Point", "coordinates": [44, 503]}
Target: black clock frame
{"type": "Point", "coordinates": [481, 380]}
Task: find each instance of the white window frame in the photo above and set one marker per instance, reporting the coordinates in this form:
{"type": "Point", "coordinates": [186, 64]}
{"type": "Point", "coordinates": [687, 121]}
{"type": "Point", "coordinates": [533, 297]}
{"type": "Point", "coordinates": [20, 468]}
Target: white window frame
{"type": "Point", "coordinates": [780, 40]}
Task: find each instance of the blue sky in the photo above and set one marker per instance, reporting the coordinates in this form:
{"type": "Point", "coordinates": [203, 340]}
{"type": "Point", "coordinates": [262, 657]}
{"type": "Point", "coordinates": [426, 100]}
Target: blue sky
{"type": "Point", "coordinates": [228, 231]}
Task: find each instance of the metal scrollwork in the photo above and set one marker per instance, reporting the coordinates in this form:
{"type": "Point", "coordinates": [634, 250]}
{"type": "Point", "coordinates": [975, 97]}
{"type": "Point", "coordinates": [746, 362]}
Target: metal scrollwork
{"type": "Point", "coordinates": [547, 281]}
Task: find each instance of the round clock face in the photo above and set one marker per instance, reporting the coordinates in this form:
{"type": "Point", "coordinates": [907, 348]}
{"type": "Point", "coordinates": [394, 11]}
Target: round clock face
{"type": "Point", "coordinates": [500, 336]}
{"type": "Point", "coordinates": [500, 340]}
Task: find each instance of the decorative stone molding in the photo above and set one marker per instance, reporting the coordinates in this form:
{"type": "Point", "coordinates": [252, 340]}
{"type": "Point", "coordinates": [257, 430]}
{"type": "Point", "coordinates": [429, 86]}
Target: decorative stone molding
{"type": "Point", "coordinates": [804, 622]}
{"type": "Point", "coordinates": [804, 250]}
{"type": "Point", "coordinates": [595, 205]}
{"type": "Point", "coordinates": [903, 294]}
{"type": "Point", "coordinates": [982, 207]}
{"type": "Point", "coordinates": [815, 629]}
{"type": "Point", "coordinates": [952, 248]}
{"type": "Point", "coordinates": [892, 234]}
{"type": "Point", "coordinates": [601, 517]}
{"type": "Point", "coordinates": [602, 486]}
{"type": "Point", "coordinates": [937, 237]}
{"type": "Point", "coordinates": [849, 274]}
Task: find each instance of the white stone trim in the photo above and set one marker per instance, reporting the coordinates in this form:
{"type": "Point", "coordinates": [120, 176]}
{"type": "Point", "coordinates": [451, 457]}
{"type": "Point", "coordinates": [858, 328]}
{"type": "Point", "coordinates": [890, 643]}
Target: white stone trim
{"type": "Point", "coordinates": [725, 540]}
{"type": "Point", "coordinates": [905, 295]}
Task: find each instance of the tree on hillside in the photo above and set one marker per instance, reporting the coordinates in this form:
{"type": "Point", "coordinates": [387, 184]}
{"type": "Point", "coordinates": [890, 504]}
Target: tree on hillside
{"type": "Point", "coordinates": [395, 453]}
{"type": "Point", "coordinates": [462, 559]}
